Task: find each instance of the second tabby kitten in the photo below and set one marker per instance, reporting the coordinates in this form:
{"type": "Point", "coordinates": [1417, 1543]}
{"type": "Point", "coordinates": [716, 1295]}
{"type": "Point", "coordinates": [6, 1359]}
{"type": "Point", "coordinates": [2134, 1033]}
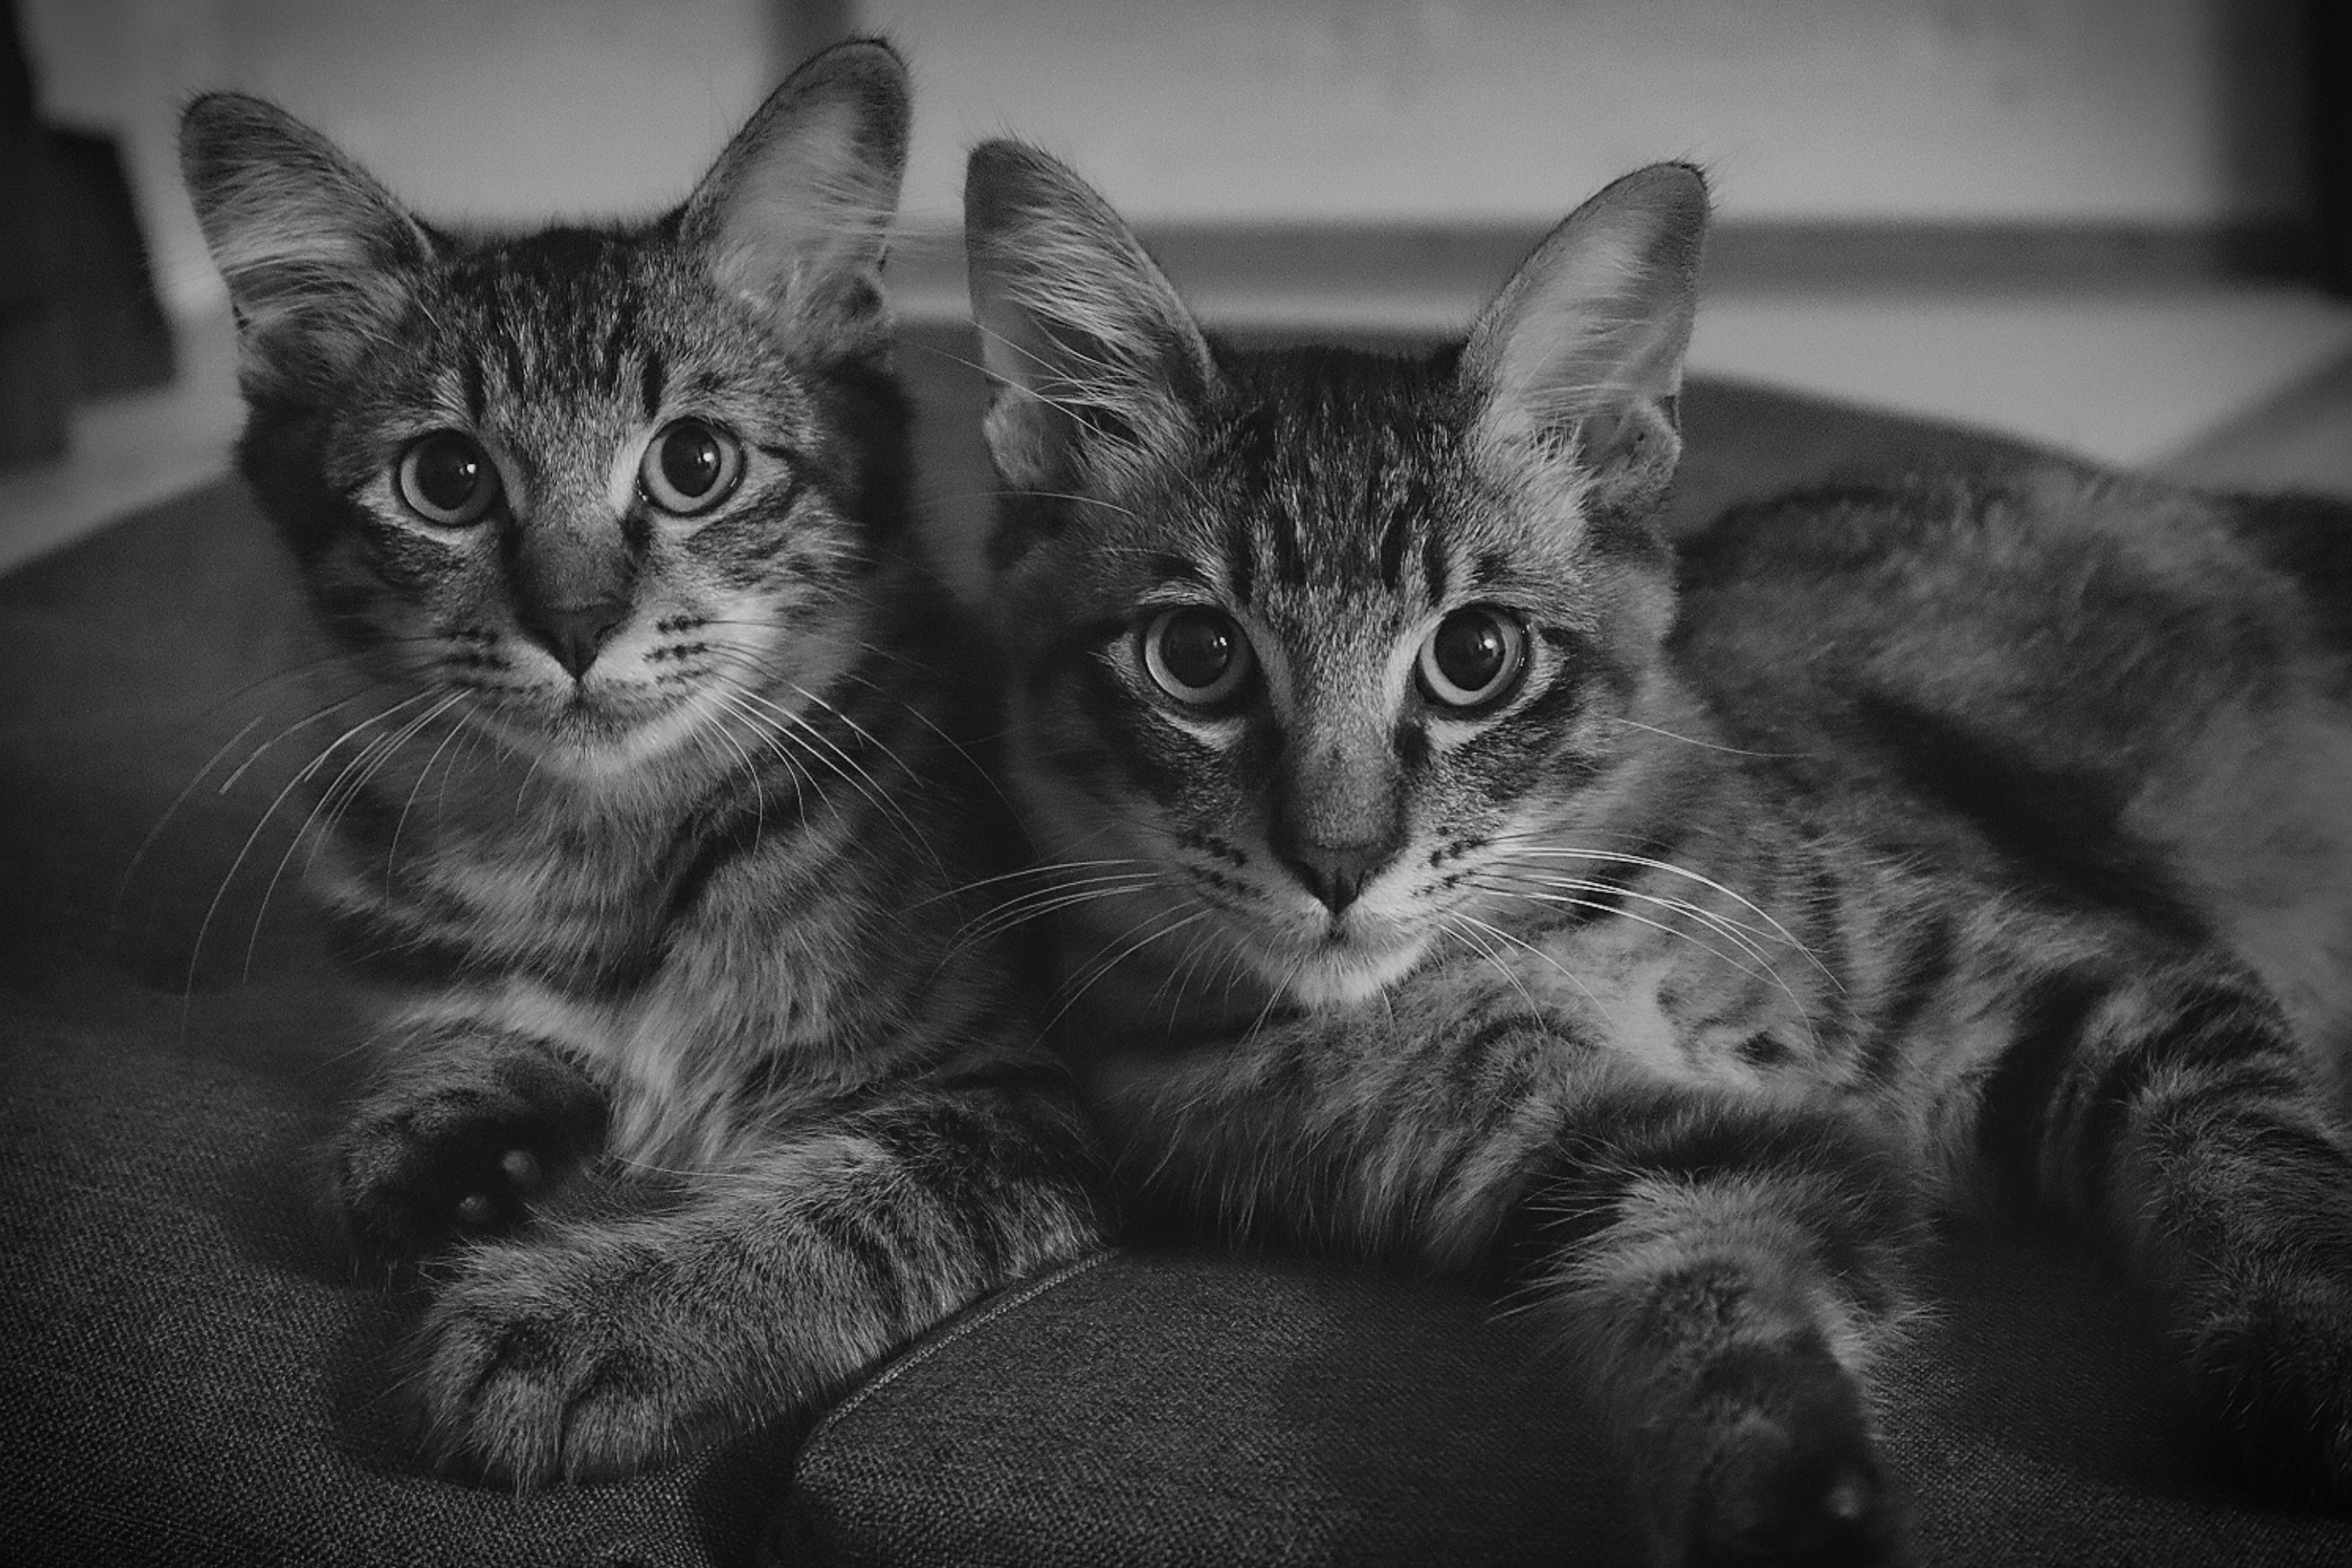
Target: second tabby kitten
{"type": "Point", "coordinates": [694, 1094]}
{"type": "Point", "coordinates": [1425, 892]}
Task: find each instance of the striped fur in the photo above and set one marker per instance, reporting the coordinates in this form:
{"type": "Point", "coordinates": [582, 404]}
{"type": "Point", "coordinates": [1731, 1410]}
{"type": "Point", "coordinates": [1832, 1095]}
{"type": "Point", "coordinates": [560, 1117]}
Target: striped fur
{"type": "Point", "coordinates": [1967, 843]}
{"type": "Point", "coordinates": [696, 1092]}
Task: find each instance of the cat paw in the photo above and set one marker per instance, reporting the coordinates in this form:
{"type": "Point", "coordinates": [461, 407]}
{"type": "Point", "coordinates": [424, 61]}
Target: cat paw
{"type": "Point", "coordinates": [1789, 1475]}
{"type": "Point", "coordinates": [544, 1364]}
{"type": "Point", "coordinates": [2277, 1375]}
{"type": "Point", "coordinates": [437, 1159]}
{"type": "Point", "coordinates": [1778, 1497]}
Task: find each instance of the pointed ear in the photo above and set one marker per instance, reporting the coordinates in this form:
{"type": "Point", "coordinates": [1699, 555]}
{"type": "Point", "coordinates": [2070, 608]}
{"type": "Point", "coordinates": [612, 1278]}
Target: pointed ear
{"type": "Point", "coordinates": [314, 251]}
{"type": "Point", "coordinates": [1097, 363]}
{"type": "Point", "coordinates": [1582, 351]}
{"type": "Point", "coordinates": [795, 215]}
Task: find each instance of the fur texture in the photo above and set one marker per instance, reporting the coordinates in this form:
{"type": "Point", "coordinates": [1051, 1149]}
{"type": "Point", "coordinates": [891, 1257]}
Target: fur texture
{"type": "Point", "coordinates": [693, 1090]}
{"type": "Point", "coordinates": [1429, 889]}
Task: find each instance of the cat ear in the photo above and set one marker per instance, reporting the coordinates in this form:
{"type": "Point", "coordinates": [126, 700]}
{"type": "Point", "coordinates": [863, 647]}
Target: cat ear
{"type": "Point", "coordinates": [795, 215]}
{"type": "Point", "coordinates": [1096, 360]}
{"type": "Point", "coordinates": [313, 249]}
{"type": "Point", "coordinates": [1583, 348]}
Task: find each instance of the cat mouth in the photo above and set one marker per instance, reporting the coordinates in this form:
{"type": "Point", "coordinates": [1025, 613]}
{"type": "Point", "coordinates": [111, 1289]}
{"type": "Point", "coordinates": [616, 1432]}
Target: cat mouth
{"type": "Point", "coordinates": [592, 725]}
{"type": "Point", "coordinates": [1342, 964]}
{"type": "Point", "coordinates": [600, 711]}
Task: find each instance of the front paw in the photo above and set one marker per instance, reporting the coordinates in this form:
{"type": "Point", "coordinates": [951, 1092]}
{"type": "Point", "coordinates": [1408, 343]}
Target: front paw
{"type": "Point", "coordinates": [1785, 1472]}
{"type": "Point", "coordinates": [460, 1148]}
{"type": "Point", "coordinates": [2275, 1370]}
{"type": "Point", "coordinates": [569, 1360]}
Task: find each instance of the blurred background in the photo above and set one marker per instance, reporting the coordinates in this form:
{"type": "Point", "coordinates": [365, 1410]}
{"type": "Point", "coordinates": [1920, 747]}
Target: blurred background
{"type": "Point", "coordinates": [2112, 225]}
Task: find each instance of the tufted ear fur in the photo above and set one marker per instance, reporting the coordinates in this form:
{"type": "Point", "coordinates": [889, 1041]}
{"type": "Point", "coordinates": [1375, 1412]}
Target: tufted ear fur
{"type": "Point", "coordinates": [1582, 350]}
{"type": "Point", "coordinates": [795, 215]}
{"type": "Point", "coordinates": [1097, 361]}
{"type": "Point", "coordinates": [313, 249]}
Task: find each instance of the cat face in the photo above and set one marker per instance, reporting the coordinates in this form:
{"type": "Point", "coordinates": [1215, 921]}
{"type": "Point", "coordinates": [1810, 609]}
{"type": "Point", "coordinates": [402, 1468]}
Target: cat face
{"type": "Point", "coordinates": [1312, 648]}
{"type": "Point", "coordinates": [607, 494]}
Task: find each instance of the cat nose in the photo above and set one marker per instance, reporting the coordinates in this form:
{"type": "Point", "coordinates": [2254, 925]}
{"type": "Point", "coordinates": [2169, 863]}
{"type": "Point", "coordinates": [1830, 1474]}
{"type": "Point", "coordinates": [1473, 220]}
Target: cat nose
{"type": "Point", "coordinates": [574, 633]}
{"type": "Point", "coordinates": [1336, 873]}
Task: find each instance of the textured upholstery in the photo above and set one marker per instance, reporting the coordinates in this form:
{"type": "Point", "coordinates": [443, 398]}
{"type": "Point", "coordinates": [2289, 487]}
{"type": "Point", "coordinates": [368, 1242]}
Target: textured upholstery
{"type": "Point", "coordinates": [187, 1374]}
{"type": "Point", "coordinates": [1158, 1409]}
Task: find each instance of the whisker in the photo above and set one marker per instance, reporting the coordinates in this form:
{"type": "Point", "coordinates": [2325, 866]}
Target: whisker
{"type": "Point", "coordinates": [392, 847]}
{"type": "Point", "coordinates": [1694, 740]}
{"type": "Point", "coordinates": [999, 918]}
{"type": "Point", "coordinates": [1765, 971]}
{"type": "Point", "coordinates": [1747, 938]}
{"type": "Point", "coordinates": [1621, 858]}
{"type": "Point", "coordinates": [212, 910]}
{"type": "Point", "coordinates": [1102, 967]}
{"type": "Point", "coordinates": [333, 800]}
{"type": "Point", "coordinates": [1499, 934]}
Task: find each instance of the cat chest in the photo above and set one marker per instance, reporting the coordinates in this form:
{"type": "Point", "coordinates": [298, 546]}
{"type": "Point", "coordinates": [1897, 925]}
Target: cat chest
{"type": "Point", "coordinates": [581, 917]}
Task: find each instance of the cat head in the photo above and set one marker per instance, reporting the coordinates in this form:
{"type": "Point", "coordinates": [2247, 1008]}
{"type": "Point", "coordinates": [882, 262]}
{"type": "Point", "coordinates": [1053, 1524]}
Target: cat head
{"type": "Point", "coordinates": [603, 491]}
{"type": "Point", "coordinates": [1307, 644]}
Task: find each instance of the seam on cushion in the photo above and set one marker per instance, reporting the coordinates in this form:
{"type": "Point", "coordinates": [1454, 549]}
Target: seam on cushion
{"type": "Point", "coordinates": [939, 1342]}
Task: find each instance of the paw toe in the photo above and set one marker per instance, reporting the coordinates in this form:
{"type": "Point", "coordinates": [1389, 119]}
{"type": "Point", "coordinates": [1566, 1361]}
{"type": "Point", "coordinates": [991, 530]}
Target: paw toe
{"type": "Point", "coordinates": [407, 1189]}
{"type": "Point", "coordinates": [523, 1382]}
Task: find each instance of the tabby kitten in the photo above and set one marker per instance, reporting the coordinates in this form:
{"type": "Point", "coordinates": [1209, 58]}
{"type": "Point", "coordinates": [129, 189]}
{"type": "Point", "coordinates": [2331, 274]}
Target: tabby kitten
{"type": "Point", "coordinates": [1426, 892]}
{"type": "Point", "coordinates": [696, 1095]}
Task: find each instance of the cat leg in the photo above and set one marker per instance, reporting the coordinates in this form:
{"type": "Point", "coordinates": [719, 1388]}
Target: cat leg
{"type": "Point", "coordinates": [595, 1349]}
{"type": "Point", "coordinates": [2183, 1120]}
{"type": "Point", "coordinates": [1729, 1271]}
{"type": "Point", "coordinates": [1724, 1267]}
{"type": "Point", "coordinates": [464, 1126]}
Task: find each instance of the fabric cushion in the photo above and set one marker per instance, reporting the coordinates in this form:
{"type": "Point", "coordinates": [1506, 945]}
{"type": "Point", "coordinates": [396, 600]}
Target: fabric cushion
{"type": "Point", "coordinates": [1160, 1408]}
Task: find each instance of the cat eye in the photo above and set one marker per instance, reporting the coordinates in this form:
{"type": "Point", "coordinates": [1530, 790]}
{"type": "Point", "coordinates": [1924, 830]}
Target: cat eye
{"type": "Point", "coordinates": [448, 478]}
{"type": "Point", "coordinates": [1474, 658]}
{"type": "Point", "coordinates": [691, 466]}
{"type": "Point", "coordinates": [1197, 655]}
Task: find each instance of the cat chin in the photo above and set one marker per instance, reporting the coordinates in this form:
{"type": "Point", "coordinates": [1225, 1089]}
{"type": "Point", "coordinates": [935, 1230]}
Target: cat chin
{"type": "Point", "coordinates": [603, 748]}
{"type": "Point", "coordinates": [1342, 976]}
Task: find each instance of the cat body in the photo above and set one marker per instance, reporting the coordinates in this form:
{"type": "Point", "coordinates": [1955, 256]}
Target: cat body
{"type": "Point", "coordinates": [695, 1095]}
{"type": "Point", "coordinates": [1430, 889]}
{"type": "Point", "coordinates": [2111, 692]}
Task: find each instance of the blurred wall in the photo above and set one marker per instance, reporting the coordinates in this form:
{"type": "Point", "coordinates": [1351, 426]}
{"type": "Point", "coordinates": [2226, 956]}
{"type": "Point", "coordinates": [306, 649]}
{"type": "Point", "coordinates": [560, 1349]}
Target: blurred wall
{"type": "Point", "coordinates": [2161, 112]}
{"type": "Point", "coordinates": [465, 108]}
{"type": "Point", "coordinates": [2166, 113]}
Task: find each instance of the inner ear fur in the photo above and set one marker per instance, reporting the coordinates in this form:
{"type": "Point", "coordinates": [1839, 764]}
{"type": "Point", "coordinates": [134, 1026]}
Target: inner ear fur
{"type": "Point", "coordinates": [1097, 361]}
{"type": "Point", "coordinates": [1581, 352]}
{"type": "Point", "coordinates": [795, 215]}
{"type": "Point", "coordinates": [315, 252]}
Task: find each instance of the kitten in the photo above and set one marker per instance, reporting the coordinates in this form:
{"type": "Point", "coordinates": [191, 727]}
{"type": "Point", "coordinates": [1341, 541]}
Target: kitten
{"type": "Point", "coordinates": [1425, 891]}
{"type": "Point", "coordinates": [696, 1095]}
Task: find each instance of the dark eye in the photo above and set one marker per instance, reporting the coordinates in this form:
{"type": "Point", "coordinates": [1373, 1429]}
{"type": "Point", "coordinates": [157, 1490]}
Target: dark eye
{"type": "Point", "coordinates": [690, 468]}
{"type": "Point", "coordinates": [1474, 657]}
{"type": "Point", "coordinates": [446, 478]}
{"type": "Point", "coordinates": [1198, 656]}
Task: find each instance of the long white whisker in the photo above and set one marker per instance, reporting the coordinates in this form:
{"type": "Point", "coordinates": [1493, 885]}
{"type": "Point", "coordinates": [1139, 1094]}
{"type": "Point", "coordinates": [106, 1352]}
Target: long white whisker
{"type": "Point", "coordinates": [1694, 740]}
{"type": "Point", "coordinates": [1499, 934]}
{"type": "Point", "coordinates": [212, 910]}
{"type": "Point", "coordinates": [1622, 858]}
{"type": "Point", "coordinates": [334, 800]}
{"type": "Point", "coordinates": [1102, 967]}
{"type": "Point", "coordinates": [1747, 938]}
{"type": "Point", "coordinates": [998, 919]}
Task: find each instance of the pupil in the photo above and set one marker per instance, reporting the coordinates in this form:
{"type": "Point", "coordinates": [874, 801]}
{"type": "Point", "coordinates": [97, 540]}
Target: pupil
{"type": "Point", "coordinates": [691, 460]}
{"type": "Point", "coordinates": [447, 472]}
{"type": "Point", "coordinates": [1197, 648]}
{"type": "Point", "coordinates": [1471, 651]}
